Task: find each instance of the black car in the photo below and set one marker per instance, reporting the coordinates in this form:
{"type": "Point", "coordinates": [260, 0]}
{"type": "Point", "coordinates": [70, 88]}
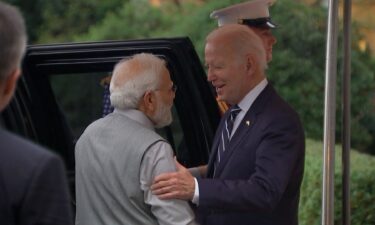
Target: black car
{"type": "Point", "coordinates": [60, 94]}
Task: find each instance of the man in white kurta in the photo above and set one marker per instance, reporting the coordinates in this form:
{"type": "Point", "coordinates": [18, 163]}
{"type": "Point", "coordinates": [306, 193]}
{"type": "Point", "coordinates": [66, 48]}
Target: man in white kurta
{"type": "Point", "coordinates": [118, 156]}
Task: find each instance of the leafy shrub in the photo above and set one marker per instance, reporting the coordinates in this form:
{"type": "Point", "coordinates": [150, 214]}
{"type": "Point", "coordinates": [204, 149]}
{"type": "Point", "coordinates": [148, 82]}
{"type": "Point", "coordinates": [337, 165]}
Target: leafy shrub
{"type": "Point", "coordinates": [362, 187]}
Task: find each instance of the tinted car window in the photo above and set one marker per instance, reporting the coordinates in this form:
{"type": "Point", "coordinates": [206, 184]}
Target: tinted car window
{"type": "Point", "coordinates": [81, 98]}
{"type": "Point", "coordinates": [49, 110]}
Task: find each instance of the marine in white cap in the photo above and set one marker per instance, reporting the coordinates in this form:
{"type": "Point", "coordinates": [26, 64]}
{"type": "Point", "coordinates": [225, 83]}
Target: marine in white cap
{"type": "Point", "coordinates": [255, 15]}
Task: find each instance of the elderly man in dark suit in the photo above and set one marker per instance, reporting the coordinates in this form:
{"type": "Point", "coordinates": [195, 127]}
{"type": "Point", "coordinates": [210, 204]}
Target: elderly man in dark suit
{"type": "Point", "coordinates": [33, 187]}
{"type": "Point", "coordinates": [257, 159]}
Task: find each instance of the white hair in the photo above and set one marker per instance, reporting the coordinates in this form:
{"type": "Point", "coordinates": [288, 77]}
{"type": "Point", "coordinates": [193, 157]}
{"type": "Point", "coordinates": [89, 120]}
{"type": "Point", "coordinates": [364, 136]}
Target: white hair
{"type": "Point", "coordinates": [243, 40]}
{"type": "Point", "coordinates": [144, 71]}
{"type": "Point", "coordinates": [13, 39]}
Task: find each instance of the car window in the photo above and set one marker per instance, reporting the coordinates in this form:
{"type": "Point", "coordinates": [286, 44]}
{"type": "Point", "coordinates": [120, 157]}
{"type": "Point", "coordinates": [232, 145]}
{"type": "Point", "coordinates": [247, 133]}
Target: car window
{"type": "Point", "coordinates": [83, 98]}
{"type": "Point", "coordinates": [2, 122]}
{"type": "Point", "coordinates": [63, 93]}
{"type": "Point", "coordinates": [16, 117]}
{"type": "Point", "coordinates": [79, 97]}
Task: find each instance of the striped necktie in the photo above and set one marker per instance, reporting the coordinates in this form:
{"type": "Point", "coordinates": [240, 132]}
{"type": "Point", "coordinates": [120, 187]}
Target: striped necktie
{"type": "Point", "coordinates": [226, 134]}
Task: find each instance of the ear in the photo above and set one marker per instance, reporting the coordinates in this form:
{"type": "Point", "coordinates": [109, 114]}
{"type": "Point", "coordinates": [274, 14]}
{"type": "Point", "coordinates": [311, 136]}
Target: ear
{"type": "Point", "coordinates": [250, 64]}
{"type": "Point", "coordinates": [149, 102]}
{"type": "Point", "coordinates": [11, 82]}
{"type": "Point", "coordinates": [7, 88]}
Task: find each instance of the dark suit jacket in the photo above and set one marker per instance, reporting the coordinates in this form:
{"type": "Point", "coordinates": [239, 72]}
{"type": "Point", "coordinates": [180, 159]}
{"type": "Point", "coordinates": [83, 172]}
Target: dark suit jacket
{"type": "Point", "coordinates": [33, 186]}
{"type": "Point", "coordinates": [260, 173]}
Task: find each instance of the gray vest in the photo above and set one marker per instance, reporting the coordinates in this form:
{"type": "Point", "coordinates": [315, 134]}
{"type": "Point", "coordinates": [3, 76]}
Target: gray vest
{"type": "Point", "coordinates": [108, 159]}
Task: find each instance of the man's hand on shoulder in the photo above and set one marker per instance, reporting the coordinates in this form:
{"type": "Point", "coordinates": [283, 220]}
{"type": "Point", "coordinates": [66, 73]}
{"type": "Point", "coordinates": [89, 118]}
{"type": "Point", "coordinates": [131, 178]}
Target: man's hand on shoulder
{"type": "Point", "coordinates": [176, 185]}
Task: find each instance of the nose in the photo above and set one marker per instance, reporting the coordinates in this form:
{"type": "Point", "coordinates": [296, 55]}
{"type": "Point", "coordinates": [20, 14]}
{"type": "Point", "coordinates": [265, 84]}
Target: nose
{"type": "Point", "coordinates": [210, 75]}
{"type": "Point", "coordinates": [272, 40]}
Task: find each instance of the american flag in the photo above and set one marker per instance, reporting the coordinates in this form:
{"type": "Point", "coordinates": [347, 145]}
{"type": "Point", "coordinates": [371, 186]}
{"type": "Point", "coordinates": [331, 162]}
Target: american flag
{"type": "Point", "coordinates": [107, 108]}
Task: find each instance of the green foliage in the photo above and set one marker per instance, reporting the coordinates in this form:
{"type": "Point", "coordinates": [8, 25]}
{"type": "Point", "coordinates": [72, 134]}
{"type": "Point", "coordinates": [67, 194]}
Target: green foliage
{"type": "Point", "coordinates": [31, 11]}
{"type": "Point", "coordinates": [194, 22]}
{"type": "Point", "coordinates": [79, 111]}
{"type": "Point", "coordinates": [298, 66]}
{"type": "Point", "coordinates": [362, 187]}
{"type": "Point", "coordinates": [51, 21]}
{"type": "Point", "coordinates": [131, 21]}
{"type": "Point", "coordinates": [298, 73]}
{"type": "Point", "coordinates": [64, 19]}
{"type": "Point", "coordinates": [297, 70]}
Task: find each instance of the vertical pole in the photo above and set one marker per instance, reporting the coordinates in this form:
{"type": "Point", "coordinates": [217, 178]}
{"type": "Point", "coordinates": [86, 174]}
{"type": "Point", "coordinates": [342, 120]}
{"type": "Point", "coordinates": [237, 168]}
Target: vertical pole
{"type": "Point", "coordinates": [346, 114]}
{"type": "Point", "coordinates": [330, 116]}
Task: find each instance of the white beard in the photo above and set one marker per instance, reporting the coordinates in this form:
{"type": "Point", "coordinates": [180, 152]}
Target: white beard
{"type": "Point", "coordinates": [163, 116]}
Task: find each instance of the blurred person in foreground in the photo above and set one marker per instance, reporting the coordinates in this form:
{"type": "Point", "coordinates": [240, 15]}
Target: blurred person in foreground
{"type": "Point", "coordinates": [118, 156]}
{"type": "Point", "coordinates": [256, 163]}
{"type": "Point", "coordinates": [33, 186]}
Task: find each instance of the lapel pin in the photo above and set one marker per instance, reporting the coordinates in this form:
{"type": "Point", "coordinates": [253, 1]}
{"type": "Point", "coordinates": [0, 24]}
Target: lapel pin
{"type": "Point", "coordinates": [247, 122]}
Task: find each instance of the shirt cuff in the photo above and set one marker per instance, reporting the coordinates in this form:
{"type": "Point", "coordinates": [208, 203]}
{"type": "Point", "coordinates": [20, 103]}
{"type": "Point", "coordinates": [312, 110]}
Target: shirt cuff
{"type": "Point", "coordinates": [195, 199]}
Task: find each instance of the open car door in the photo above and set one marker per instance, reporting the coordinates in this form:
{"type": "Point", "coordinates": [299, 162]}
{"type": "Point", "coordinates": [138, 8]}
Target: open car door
{"type": "Point", "coordinates": [60, 94]}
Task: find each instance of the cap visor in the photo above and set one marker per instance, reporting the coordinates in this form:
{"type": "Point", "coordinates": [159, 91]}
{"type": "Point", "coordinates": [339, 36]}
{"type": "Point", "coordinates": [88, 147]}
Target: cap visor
{"type": "Point", "coordinates": [259, 22]}
{"type": "Point", "coordinates": [270, 24]}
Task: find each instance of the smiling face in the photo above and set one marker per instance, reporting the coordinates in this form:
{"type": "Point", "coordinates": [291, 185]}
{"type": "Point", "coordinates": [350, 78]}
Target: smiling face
{"type": "Point", "coordinates": [235, 61]}
{"type": "Point", "coordinates": [226, 71]}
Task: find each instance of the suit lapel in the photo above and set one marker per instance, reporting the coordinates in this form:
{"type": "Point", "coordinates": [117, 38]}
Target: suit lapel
{"type": "Point", "coordinates": [241, 133]}
{"type": "Point", "coordinates": [215, 146]}
{"type": "Point", "coordinates": [245, 127]}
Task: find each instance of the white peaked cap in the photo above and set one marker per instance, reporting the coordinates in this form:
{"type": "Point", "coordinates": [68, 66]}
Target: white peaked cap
{"type": "Point", "coordinates": [252, 13]}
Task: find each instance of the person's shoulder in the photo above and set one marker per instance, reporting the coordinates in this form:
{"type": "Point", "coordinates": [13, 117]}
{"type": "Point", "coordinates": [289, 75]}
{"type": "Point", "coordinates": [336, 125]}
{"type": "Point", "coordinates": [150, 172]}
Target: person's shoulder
{"type": "Point", "coordinates": [95, 129]}
{"type": "Point", "coordinates": [97, 123]}
{"type": "Point", "coordinates": [21, 149]}
{"type": "Point", "coordinates": [276, 109]}
{"type": "Point", "coordinates": [277, 102]}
